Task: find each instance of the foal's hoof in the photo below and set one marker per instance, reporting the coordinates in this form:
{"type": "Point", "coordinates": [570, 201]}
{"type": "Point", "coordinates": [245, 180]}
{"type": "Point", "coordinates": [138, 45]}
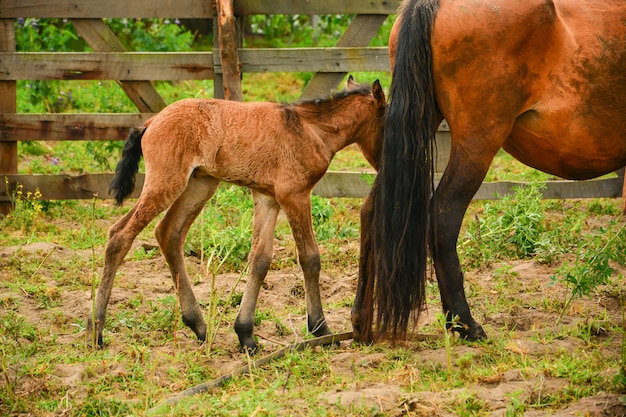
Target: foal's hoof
{"type": "Point", "coordinates": [197, 324]}
{"type": "Point", "coordinates": [332, 345]}
{"type": "Point", "coordinates": [93, 334]}
{"type": "Point", "coordinates": [250, 348]}
{"type": "Point", "coordinates": [325, 331]}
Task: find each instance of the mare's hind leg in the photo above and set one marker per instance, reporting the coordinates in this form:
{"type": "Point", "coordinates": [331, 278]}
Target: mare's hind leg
{"type": "Point", "coordinates": [462, 178]}
{"type": "Point", "coordinates": [265, 213]}
{"type": "Point", "coordinates": [297, 207]}
{"type": "Point", "coordinates": [121, 236]}
{"type": "Point", "coordinates": [171, 233]}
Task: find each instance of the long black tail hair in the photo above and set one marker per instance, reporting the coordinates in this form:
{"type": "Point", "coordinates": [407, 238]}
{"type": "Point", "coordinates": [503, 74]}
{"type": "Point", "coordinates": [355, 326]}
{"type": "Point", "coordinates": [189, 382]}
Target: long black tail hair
{"type": "Point", "coordinates": [395, 252]}
{"type": "Point", "coordinates": [123, 182]}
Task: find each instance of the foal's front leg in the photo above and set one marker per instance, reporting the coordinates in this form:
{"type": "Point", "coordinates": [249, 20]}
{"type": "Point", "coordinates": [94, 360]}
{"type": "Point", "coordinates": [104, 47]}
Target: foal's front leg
{"type": "Point", "coordinates": [297, 207]}
{"type": "Point", "coordinates": [265, 213]}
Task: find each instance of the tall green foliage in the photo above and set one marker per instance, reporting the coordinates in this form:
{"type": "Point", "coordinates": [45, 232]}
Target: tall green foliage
{"type": "Point", "coordinates": [592, 266]}
{"type": "Point", "coordinates": [509, 227]}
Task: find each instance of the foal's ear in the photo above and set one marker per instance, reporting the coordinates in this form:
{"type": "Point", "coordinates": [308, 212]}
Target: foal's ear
{"type": "Point", "coordinates": [351, 84]}
{"type": "Point", "coordinates": [377, 92]}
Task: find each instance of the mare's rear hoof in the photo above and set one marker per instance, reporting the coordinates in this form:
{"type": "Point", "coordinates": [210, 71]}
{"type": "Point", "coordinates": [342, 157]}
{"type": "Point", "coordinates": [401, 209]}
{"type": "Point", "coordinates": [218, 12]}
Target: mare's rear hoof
{"type": "Point", "coordinates": [473, 332]}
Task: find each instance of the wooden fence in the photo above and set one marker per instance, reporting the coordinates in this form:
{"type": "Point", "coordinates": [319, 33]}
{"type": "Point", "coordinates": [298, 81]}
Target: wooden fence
{"type": "Point", "coordinates": [135, 71]}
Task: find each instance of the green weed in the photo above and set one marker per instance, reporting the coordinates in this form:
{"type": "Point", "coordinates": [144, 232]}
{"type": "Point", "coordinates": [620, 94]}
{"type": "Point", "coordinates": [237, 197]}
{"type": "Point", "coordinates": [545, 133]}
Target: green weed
{"type": "Point", "coordinates": [141, 253]}
{"type": "Point", "coordinates": [442, 320]}
{"type": "Point", "coordinates": [516, 406]}
{"type": "Point", "coordinates": [592, 266]}
{"type": "Point", "coordinates": [322, 211]}
{"type": "Point", "coordinates": [225, 228]}
{"type": "Point", "coordinates": [218, 307]}
{"type": "Point", "coordinates": [26, 208]}
{"type": "Point", "coordinates": [509, 227]}
{"type": "Point", "coordinates": [470, 405]}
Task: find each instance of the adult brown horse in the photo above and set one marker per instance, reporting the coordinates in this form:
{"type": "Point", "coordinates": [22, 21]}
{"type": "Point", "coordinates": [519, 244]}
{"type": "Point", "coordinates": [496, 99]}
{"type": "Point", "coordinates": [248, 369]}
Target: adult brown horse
{"type": "Point", "coordinates": [543, 79]}
{"type": "Point", "coordinates": [279, 151]}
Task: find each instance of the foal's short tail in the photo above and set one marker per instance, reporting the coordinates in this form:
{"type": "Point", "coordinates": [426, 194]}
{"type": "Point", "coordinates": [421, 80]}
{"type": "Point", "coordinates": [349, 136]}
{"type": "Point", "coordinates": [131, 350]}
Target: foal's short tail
{"type": "Point", "coordinates": [124, 180]}
{"type": "Point", "coordinates": [395, 256]}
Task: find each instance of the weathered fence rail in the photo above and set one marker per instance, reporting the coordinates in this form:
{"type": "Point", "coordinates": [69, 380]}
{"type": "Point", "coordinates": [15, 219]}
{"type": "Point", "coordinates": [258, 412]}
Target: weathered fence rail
{"type": "Point", "coordinates": [135, 71]}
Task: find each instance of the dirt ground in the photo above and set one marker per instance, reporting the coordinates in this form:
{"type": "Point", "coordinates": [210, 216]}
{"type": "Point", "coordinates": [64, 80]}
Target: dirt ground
{"type": "Point", "coordinates": [150, 277]}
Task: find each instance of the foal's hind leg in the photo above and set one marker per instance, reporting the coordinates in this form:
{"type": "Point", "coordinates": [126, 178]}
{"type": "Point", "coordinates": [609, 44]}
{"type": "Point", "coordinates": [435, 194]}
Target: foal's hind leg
{"type": "Point", "coordinates": [121, 236]}
{"type": "Point", "coordinates": [171, 233]}
{"type": "Point", "coordinates": [265, 213]}
{"type": "Point", "coordinates": [297, 207]}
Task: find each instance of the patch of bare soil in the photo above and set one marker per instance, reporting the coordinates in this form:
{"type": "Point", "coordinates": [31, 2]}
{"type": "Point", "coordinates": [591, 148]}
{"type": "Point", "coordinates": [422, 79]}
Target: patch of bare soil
{"type": "Point", "coordinates": [283, 294]}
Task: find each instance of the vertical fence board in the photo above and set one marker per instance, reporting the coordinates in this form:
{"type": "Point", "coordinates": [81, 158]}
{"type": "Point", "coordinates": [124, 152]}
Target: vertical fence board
{"type": "Point", "coordinates": [101, 39]}
{"type": "Point", "coordinates": [359, 33]}
{"type": "Point", "coordinates": [227, 34]}
{"type": "Point", "coordinates": [218, 78]}
{"type": "Point", "coordinates": [8, 104]}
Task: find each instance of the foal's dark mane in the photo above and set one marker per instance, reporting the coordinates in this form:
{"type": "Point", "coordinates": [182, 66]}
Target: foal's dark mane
{"type": "Point", "coordinates": [337, 95]}
{"type": "Point", "coordinates": [320, 106]}
{"type": "Point", "coordinates": [319, 109]}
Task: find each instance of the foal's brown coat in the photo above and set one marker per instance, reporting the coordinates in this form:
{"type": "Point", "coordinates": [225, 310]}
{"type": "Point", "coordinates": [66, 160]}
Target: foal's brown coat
{"type": "Point", "coordinates": [279, 151]}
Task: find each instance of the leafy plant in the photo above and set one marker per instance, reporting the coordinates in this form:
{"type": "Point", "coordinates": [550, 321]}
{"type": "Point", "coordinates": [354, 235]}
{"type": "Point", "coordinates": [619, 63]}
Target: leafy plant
{"type": "Point", "coordinates": [224, 227]}
{"type": "Point", "coordinates": [217, 306]}
{"type": "Point", "coordinates": [17, 344]}
{"type": "Point", "coordinates": [512, 226]}
{"type": "Point", "coordinates": [322, 211]}
{"type": "Point", "coordinates": [43, 35]}
{"type": "Point", "coordinates": [154, 35]}
{"type": "Point", "coordinates": [516, 407]}
{"type": "Point", "coordinates": [442, 322]}
{"type": "Point", "coordinates": [592, 266]}
{"type": "Point", "coordinates": [26, 207]}
{"type": "Point", "coordinates": [141, 253]}
{"type": "Point", "coordinates": [298, 30]}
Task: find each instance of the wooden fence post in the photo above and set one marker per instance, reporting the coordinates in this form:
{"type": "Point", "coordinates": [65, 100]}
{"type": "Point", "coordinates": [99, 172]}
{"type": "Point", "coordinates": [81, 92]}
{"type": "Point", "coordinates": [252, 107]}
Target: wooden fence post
{"type": "Point", "coordinates": [8, 104]}
{"type": "Point", "coordinates": [227, 35]}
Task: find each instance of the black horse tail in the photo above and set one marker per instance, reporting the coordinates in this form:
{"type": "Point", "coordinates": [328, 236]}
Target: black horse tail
{"type": "Point", "coordinates": [397, 254]}
{"type": "Point", "coordinates": [123, 182]}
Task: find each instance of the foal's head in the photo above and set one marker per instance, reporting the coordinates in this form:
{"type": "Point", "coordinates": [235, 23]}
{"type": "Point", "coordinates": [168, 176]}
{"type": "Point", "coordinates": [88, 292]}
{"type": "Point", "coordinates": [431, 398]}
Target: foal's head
{"type": "Point", "coordinates": [354, 115]}
{"type": "Point", "coordinates": [369, 112]}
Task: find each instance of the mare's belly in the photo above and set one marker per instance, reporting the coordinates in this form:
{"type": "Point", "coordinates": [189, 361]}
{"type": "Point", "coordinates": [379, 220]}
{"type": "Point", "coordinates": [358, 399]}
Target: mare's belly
{"type": "Point", "coordinates": [566, 148]}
